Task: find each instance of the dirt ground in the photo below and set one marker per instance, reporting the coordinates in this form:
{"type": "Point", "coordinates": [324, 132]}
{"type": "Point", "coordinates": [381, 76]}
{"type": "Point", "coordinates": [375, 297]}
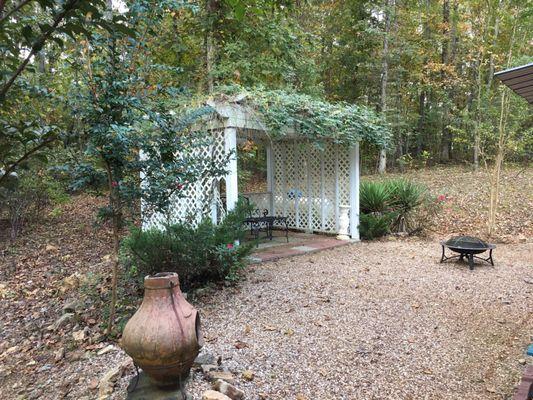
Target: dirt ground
{"type": "Point", "coordinates": [372, 320]}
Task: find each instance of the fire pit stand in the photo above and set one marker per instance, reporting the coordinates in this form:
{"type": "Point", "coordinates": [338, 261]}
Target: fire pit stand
{"type": "Point", "coordinates": [467, 246]}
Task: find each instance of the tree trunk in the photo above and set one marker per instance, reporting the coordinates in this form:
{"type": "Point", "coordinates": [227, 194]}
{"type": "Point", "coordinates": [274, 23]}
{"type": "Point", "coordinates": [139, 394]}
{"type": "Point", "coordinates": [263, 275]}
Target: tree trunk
{"type": "Point", "coordinates": [421, 121]}
{"type": "Point", "coordinates": [384, 79]}
{"type": "Point", "coordinates": [496, 30]}
{"type": "Point", "coordinates": [211, 8]}
{"type": "Point", "coordinates": [500, 150]}
{"type": "Point", "coordinates": [477, 138]}
{"type": "Point", "coordinates": [446, 134]}
{"type": "Point", "coordinates": [116, 209]}
{"type": "Point", "coordinates": [423, 96]}
{"type": "Point", "coordinates": [498, 163]}
{"type": "Point", "coordinates": [41, 57]}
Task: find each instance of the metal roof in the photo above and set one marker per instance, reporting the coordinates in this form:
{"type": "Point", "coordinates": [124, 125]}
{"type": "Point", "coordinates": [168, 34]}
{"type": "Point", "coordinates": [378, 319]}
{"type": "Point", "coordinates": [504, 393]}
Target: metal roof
{"type": "Point", "coordinates": [520, 80]}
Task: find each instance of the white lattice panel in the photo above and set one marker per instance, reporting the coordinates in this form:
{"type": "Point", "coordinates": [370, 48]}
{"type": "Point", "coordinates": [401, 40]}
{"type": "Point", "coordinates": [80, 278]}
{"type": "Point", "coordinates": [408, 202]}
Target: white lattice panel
{"type": "Point", "coordinates": [197, 198]}
{"type": "Point", "coordinates": [310, 184]}
{"type": "Point", "coordinates": [260, 201]}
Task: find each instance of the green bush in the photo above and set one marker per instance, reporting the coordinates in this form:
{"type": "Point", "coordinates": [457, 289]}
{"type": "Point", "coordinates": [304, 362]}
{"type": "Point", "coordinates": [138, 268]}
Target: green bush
{"type": "Point", "coordinates": [395, 205]}
{"type": "Point", "coordinates": [372, 226]}
{"type": "Point", "coordinates": [199, 255]}
{"type": "Point", "coordinates": [374, 197]}
{"type": "Point", "coordinates": [405, 198]}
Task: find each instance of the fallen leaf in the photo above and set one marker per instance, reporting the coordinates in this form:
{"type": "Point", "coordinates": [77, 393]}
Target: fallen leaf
{"type": "Point", "coordinates": [240, 345]}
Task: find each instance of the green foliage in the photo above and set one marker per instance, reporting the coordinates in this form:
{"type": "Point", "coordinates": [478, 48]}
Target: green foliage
{"type": "Point", "coordinates": [373, 226]}
{"type": "Point", "coordinates": [31, 113]}
{"type": "Point", "coordinates": [400, 205]}
{"type": "Point", "coordinates": [374, 197]}
{"type": "Point", "coordinates": [405, 195]}
{"type": "Point", "coordinates": [199, 255]}
{"type": "Point", "coordinates": [284, 113]}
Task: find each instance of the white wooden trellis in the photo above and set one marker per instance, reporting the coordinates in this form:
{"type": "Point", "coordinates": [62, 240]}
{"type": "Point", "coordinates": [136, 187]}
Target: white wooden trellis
{"type": "Point", "coordinates": [198, 199]}
{"type": "Point", "coordinates": [304, 183]}
{"type": "Point", "coordinates": [310, 184]}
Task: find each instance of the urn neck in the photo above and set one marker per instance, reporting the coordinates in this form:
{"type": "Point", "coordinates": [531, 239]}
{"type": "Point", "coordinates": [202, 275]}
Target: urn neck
{"type": "Point", "coordinates": [160, 284]}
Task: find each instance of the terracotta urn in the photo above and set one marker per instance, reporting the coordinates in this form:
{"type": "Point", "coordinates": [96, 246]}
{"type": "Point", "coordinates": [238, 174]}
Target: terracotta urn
{"type": "Point", "coordinates": [164, 336]}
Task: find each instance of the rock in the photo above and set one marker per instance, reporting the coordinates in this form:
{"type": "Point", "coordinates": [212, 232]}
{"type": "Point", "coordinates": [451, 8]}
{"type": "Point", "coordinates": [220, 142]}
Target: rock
{"type": "Point", "coordinates": [72, 307]}
{"type": "Point", "coordinates": [228, 389]}
{"type": "Point", "coordinates": [214, 395]}
{"type": "Point", "coordinates": [93, 384]}
{"type": "Point", "coordinates": [204, 358]}
{"type": "Point", "coordinates": [79, 336]}
{"type": "Point", "coordinates": [45, 367]}
{"type": "Point", "coordinates": [107, 383]}
{"type": "Point", "coordinates": [206, 368]}
{"type": "Point", "coordinates": [248, 375]}
{"type": "Point", "coordinates": [50, 248]}
{"type": "Point", "coordinates": [522, 361]}
{"type": "Point", "coordinates": [107, 349]}
{"type": "Point", "coordinates": [222, 375]}
{"type": "Point", "coordinates": [59, 354]}
{"type": "Point", "coordinates": [62, 321]}
{"type": "Point", "coordinates": [529, 280]}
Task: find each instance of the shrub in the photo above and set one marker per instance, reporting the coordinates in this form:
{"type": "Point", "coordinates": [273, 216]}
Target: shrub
{"type": "Point", "coordinates": [374, 197]}
{"type": "Point", "coordinates": [399, 205]}
{"type": "Point", "coordinates": [405, 197]}
{"type": "Point", "coordinates": [372, 226]}
{"type": "Point", "coordinates": [199, 255]}
{"type": "Point", "coordinates": [26, 198]}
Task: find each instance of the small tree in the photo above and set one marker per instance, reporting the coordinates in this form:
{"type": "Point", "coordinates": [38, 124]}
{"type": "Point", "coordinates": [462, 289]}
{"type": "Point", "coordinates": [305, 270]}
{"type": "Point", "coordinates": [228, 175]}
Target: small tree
{"type": "Point", "coordinates": [146, 152]}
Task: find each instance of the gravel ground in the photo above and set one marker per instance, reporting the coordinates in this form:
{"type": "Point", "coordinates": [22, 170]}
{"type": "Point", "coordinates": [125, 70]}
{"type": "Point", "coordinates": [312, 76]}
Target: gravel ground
{"type": "Point", "coordinates": [372, 320]}
{"type": "Point", "coordinates": [381, 320]}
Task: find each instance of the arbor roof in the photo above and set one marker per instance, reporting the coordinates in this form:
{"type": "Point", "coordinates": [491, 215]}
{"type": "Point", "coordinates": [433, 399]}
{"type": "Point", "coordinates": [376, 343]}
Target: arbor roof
{"type": "Point", "coordinates": [281, 114]}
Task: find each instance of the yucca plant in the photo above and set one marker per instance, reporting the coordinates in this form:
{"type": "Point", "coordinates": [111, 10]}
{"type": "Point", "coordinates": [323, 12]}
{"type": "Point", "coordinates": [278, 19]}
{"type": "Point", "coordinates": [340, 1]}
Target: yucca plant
{"type": "Point", "coordinates": [374, 197]}
{"type": "Point", "coordinates": [405, 197]}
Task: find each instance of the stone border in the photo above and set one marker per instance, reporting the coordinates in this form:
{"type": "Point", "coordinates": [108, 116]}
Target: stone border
{"type": "Point", "coordinates": [525, 390]}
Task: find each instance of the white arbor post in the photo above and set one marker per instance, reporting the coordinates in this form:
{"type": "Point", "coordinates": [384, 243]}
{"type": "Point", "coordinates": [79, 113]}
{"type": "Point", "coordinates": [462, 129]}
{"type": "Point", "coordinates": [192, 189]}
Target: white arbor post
{"type": "Point", "coordinates": [270, 177]}
{"type": "Point", "coordinates": [232, 188]}
{"type": "Point", "coordinates": [354, 192]}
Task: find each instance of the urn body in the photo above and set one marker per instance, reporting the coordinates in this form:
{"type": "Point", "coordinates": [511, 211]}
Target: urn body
{"type": "Point", "coordinates": [164, 336]}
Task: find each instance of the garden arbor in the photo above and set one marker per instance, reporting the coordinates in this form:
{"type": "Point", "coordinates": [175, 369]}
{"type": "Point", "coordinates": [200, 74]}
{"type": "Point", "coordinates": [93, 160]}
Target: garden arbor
{"type": "Point", "coordinates": [312, 152]}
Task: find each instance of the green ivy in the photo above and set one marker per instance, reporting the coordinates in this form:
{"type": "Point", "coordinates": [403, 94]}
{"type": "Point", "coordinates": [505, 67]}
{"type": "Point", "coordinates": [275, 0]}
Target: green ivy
{"type": "Point", "coordinates": [284, 112]}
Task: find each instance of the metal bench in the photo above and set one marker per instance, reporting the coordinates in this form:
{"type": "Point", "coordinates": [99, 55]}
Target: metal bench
{"type": "Point", "coordinates": [259, 221]}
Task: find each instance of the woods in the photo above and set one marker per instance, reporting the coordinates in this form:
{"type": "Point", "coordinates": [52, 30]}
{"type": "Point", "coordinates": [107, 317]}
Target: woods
{"type": "Point", "coordinates": [427, 65]}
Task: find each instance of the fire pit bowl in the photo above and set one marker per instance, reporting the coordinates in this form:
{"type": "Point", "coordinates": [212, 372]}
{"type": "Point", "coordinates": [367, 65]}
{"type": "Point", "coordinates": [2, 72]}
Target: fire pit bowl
{"type": "Point", "coordinates": [467, 246]}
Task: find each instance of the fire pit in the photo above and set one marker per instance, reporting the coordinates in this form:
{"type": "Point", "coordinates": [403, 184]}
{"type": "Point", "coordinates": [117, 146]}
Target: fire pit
{"type": "Point", "coordinates": [467, 246]}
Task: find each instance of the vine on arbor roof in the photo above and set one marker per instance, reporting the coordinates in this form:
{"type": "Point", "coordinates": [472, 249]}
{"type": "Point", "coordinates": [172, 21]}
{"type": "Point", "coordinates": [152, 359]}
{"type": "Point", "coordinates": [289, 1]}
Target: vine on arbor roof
{"type": "Point", "coordinates": [311, 118]}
